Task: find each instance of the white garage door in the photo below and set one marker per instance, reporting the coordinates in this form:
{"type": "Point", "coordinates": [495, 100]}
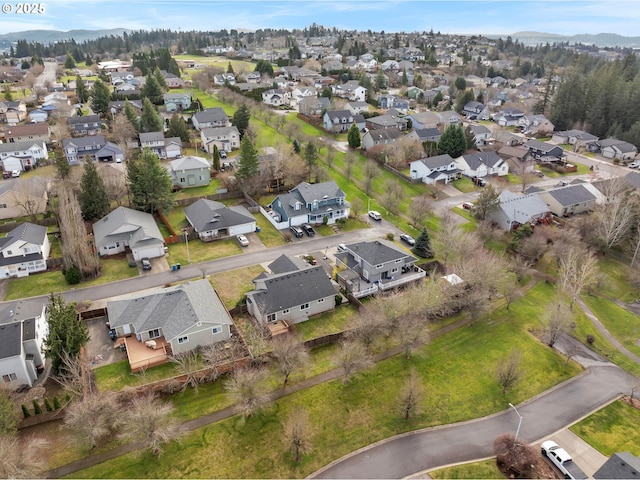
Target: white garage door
{"type": "Point", "coordinates": [151, 252]}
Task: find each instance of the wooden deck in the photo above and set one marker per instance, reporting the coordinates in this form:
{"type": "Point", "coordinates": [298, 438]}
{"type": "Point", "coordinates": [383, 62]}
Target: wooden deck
{"type": "Point", "coordinates": [141, 356]}
{"type": "Point", "coordinates": [278, 328]}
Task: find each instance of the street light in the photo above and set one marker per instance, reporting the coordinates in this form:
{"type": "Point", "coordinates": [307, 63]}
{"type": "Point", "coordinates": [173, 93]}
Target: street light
{"type": "Point", "coordinates": [519, 421]}
{"type": "Point", "coordinates": [186, 240]}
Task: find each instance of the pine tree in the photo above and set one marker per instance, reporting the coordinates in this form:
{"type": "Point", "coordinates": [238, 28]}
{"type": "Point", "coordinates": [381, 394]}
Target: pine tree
{"type": "Point", "coordinates": [94, 202]}
{"type": "Point", "coordinates": [131, 115]}
{"type": "Point", "coordinates": [152, 89]}
{"type": "Point", "coordinates": [66, 335]}
{"type": "Point", "coordinates": [216, 158]}
{"type": "Point", "coordinates": [353, 137]}
{"type": "Point", "coordinates": [178, 128]}
{"type": "Point", "coordinates": [310, 157]}
{"type": "Point", "coordinates": [6, 92]}
{"type": "Point", "coordinates": [150, 184]}
{"type": "Point", "coordinates": [81, 90]}
{"type": "Point", "coordinates": [229, 68]}
{"type": "Point", "coordinates": [160, 78]}
{"type": "Point", "coordinates": [69, 62]}
{"type": "Point", "coordinates": [100, 98]}
{"type": "Point", "coordinates": [248, 165]}
{"type": "Point", "coordinates": [241, 119]}
{"type": "Point", "coordinates": [150, 120]}
{"type": "Point", "coordinates": [452, 142]}
{"type": "Point", "coordinates": [423, 246]}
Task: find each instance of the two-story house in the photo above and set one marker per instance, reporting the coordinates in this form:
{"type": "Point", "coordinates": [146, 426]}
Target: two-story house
{"type": "Point", "coordinates": [211, 117]}
{"type": "Point", "coordinates": [364, 268]}
{"type": "Point", "coordinates": [226, 78]}
{"type": "Point", "coordinates": [308, 203]}
{"type": "Point", "coordinates": [482, 164]}
{"type": "Point", "coordinates": [23, 329]}
{"type": "Point", "coordinates": [30, 132]}
{"type": "Point", "coordinates": [292, 292]}
{"type": "Point", "coordinates": [435, 169]}
{"type": "Point", "coordinates": [77, 149]}
{"type": "Point", "coordinates": [481, 134]}
{"type": "Point", "coordinates": [22, 155]}
{"type": "Point", "coordinates": [337, 121]}
{"type": "Point", "coordinates": [154, 141]}
{"type": "Point", "coordinates": [12, 112]}
{"type": "Point", "coordinates": [425, 135]}
{"type": "Point", "coordinates": [572, 199]}
{"type": "Point", "coordinates": [380, 137]}
{"type": "Point", "coordinates": [508, 117]}
{"type": "Point", "coordinates": [276, 97]}
{"type": "Point", "coordinates": [86, 125]}
{"type": "Point", "coordinates": [382, 122]}
{"type": "Point", "coordinates": [386, 101]}
{"type": "Point", "coordinates": [536, 125]}
{"type": "Point", "coordinates": [190, 171]}
{"type": "Point", "coordinates": [24, 250]}
{"type": "Point", "coordinates": [225, 138]}
{"type": "Point", "coordinates": [176, 102]}
{"type": "Point", "coordinates": [351, 91]}
{"type": "Point", "coordinates": [476, 111]}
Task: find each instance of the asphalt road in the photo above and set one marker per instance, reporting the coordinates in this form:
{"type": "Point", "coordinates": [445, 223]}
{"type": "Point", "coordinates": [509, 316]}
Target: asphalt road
{"type": "Point", "coordinates": [408, 454]}
{"type": "Point", "coordinates": [47, 75]}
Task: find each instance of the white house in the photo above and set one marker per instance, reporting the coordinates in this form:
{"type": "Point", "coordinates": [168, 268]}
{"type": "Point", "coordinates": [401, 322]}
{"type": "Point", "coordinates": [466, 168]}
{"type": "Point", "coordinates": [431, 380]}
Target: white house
{"type": "Point", "coordinates": [24, 250]}
{"type": "Point", "coordinates": [29, 153]}
{"type": "Point", "coordinates": [482, 164]}
{"type": "Point", "coordinates": [434, 169]}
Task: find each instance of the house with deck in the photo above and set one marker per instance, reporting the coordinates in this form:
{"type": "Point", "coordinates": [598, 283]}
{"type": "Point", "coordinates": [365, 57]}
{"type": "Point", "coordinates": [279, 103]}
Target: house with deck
{"type": "Point", "coordinates": [571, 199]}
{"type": "Point", "coordinates": [515, 210]}
{"type": "Point", "coordinates": [189, 171]}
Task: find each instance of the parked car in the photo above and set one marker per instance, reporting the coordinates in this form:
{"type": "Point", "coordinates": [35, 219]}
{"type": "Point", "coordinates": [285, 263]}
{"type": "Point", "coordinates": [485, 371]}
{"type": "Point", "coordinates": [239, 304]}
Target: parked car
{"type": "Point", "coordinates": [375, 215]}
{"type": "Point", "coordinates": [538, 173]}
{"type": "Point", "coordinates": [634, 165]}
{"type": "Point", "coordinates": [308, 229]}
{"type": "Point", "coordinates": [15, 174]}
{"type": "Point", "coordinates": [408, 239]}
{"type": "Point", "coordinates": [561, 459]}
{"type": "Point", "coordinates": [146, 263]}
{"type": "Point", "coordinates": [297, 231]}
{"type": "Point", "coordinates": [468, 206]}
{"type": "Point", "coordinates": [242, 240]}
{"type": "Point", "coordinates": [223, 154]}
{"type": "Point", "coordinates": [480, 182]}
{"type": "Point", "coordinates": [342, 247]}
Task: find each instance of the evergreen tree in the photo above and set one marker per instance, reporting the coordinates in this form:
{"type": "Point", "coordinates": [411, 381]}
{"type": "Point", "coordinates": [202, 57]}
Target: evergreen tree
{"type": "Point", "coordinates": [66, 335]}
{"type": "Point", "coordinates": [178, 128]}
{"type": "Point", "coordinates": [241, 119]}
{"type": "Point", "coordinates": [405, 79]}
{"type": "Point", "coordinates": [353, 137]}
{"type": "Point", "coordinates": [310, 157]}
{"type": "Point", "coordinates": [63, 169]}
{"type": "Point", "coordinates": [216, 158]}
{"type": "Point", "coordinates": [6, 92]}
{"type": "Point", "coordinates": [296, 146]}
{"type": "Point", "coordinates": [248, 165]}
{"type": "Point", "coordinates": [452, 142]}
{"type": "Point", "coordinates": [81, 90]}
{"type": "Point", "coordinates": [131, 115]}
{"type": "Point", "coordinates": [160, 78]}
{"type": "Point", "coordinates": [229, 68]}
{"type": "Point", "coordinates": [94, 202]}
{"type": "Point", "coordinates": [470, 138]}
{"type": "Point", "coordinates": [423, 246]}
{"type": "Point", "coordinates": [100, 98]}
{"type": "Point", "coordinates": [88, 60]}
{"type": "Point", "coordinates": [150, 183]}
{"type": "Point", "coordinates": [460, 83]}
{"type": "Point", "coordinates": [69, 62]}
{"type": "Point", "coordinates": [150, 120]}
{"type": "Point", "coordinates": [152, 89]}
{"type": "Point", "coordinates": [462, 99]}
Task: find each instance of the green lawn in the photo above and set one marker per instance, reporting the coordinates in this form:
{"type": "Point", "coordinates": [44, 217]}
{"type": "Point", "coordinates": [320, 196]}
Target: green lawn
{"type": "Point", "coordinates": [615, 281]}
{"type": "Point", "coordinates": [464, 184]}
{"type": "Point", "coordinates": [177, 220]}
{"type": "Point", "coordinates": [611, 429]}
{"type": "Point", "coordinates": [484, 469]}
{"type": "Point", "coordinates": [202, 251]}
{"type": "Point", "coordinates": [115, 376]}
{"type": "Point", "coordinates": [457, 370]}
{"type": "Point", "coordinates": [199, 192]}
{"type": "Point", "coordinates": [326, 323]}
{"type": "Point", "coordinates": [269, 235]}
{"type": "Point", "coordinates": [623, 325]}
{"type": "Point", "coordinates": [233, 284]}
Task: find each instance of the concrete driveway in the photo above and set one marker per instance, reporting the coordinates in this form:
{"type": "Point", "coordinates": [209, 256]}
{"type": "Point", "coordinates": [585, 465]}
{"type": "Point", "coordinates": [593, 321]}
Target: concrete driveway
{"type": "Point", "coordinates": [584, 455]}
{"type": "Point", "coordinates": [100, 349]}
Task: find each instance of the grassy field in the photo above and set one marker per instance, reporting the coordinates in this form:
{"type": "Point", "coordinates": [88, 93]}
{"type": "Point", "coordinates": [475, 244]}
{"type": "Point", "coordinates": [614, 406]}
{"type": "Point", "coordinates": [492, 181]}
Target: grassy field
{"type": "Point", "coordinates": [326, 323]}
{"type": "Point", "coordinates": [202, 251]}
{"type": "Point", "coordinates": [233, 284]}
{"type": "Point", "coordinates": [615, 282]}
{"type": "Point", "coordinates": [484, 469]}
{"type": "Point", "coordinates": [623, 325]}
{"type": "Point", "coordinates": [198, 192]}
{"type": "Point", "coordinates": [612, 429]}
{"type": "Point", "coordinates": [456, 369]}
{"type": "Point", "coordinates": [268, 235]}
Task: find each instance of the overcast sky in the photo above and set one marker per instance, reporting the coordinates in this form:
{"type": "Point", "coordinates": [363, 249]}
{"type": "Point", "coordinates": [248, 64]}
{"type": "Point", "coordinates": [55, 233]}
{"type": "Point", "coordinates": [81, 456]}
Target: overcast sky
{"type": "Point", "coordinates": [566, 17]}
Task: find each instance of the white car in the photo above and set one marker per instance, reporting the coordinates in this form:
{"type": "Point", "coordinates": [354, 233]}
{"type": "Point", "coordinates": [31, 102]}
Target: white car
{"type": "Point", "coordinates": [634, 165]}
{"type": "Point", "coordinates": [242, 240]}
{"type": "Point", "coordinates": [375, 215]}
{"type": "Point", "coordinates": [15, 174]}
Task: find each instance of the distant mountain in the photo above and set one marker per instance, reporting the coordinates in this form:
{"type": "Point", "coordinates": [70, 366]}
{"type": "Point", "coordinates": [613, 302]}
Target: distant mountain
{"type": "Point", "coordinates": [600, 39]}
{"type": "Point", "coordinates": [50, 36]}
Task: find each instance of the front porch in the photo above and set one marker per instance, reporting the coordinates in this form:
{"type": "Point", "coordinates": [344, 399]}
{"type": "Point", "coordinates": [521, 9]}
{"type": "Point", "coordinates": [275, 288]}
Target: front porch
{"type": "Point", "coordinates": [143, 355]}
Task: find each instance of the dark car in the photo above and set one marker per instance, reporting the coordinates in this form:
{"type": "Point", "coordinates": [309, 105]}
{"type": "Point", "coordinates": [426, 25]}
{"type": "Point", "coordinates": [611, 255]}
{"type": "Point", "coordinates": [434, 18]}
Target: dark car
{"type": "Point", "coordinates": [297, 231]}
{"type": "Point", "coordinates": [408, 239]}
{"type": "Point", "coordinates": [146, 263]}
{"type": "Point", "coordinates": [479, 182]}
{"type": "Point", "coordinates": [308, 229]}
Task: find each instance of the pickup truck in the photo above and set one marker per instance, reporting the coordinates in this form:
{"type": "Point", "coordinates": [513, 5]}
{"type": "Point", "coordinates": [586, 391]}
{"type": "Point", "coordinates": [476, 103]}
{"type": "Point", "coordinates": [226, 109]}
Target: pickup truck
{"type": "Point", "coordinates": [561, 459]}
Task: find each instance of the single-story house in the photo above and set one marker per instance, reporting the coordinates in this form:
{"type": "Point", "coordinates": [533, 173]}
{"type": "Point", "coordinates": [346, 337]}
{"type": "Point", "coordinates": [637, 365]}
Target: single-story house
{"type": "Point", "coordinates": [578, 138]}
{"type": "Point", "coordinates": [292, 292]}
{"type": "Point", "coordinates": [514, 210]}
{"type": "Point", "coordinates": [24, 250]}
{"type": "Point", "coordinates": [572, 199]}
{"type": "Point", "coordinates": [481, 164]}
{"type": "Point", "coordinates": [126, 228]}
{"type": "Point", "coordinates": [544, 151]}
{"type": "Point", "coordinates": [190, 171]}
{"type": "Point", "coordinates": [434, 169]}
{"type": "Point", "coordinates": [23, 329]}
{"type": "Point", "coordinates": [213, 220]}
{"type": "Point", "coordinates": [425, 135]}
{"type": "Point", "coordinates": [613, 148]}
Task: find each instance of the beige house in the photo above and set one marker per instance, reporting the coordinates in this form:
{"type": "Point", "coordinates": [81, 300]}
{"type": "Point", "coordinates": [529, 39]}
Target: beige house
{"type": "Point", "coordinates": [571, 199]}
{"type": "Point", "coordinates": [31, 132]}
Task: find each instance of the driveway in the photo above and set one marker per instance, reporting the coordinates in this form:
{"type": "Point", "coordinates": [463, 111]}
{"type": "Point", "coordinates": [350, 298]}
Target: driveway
{"type": "Point", "coordinates": [100, 349]}
{"type": "Point", "coordinates": [584, 455]}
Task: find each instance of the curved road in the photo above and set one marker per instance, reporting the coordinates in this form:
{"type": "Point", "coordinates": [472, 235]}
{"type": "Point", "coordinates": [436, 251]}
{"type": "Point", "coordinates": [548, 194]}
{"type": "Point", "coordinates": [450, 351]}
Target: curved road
{"type": "Point", "coordinates": [407, 454]}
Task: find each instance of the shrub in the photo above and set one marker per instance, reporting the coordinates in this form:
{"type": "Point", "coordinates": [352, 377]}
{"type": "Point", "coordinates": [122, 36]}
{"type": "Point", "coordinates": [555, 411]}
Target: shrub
{"type": "Point", "coordinates": [341, 221]}
{"type": "Point", "coordinates": [338, 300]}
{"type": "Point", "coordinates": [325, 220]}
{"type": "Point", "coordinates": [72, 275]}
{"type": "Point", "coordinates": [25, 411]}
{"type": "Point", "coordinates": [591, 339]}
{"type": "Point", "coordinates": [47, 405]}
{"type": "Point", "coordinates": [56, 403]}
{"type": "Point", "coordinates": [37, 409]}
{"type": "Point", "coordinates": [390, 236]}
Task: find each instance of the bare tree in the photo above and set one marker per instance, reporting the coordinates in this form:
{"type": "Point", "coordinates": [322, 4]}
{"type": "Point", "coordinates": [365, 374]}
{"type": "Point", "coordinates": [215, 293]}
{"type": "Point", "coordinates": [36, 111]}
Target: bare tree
{"type": "Point", "coordinates": [450, 239]}
{"type": "Point", "coordinates": [370, 172]}
{"type": "Point", "coordinates": [351, 358]}
{"type": "Point", "coordinates": [509, 371]}
{"type": "Point", "coordinates": [29, 195]}
{"type": "Point", "coordinates": [93, 418]}
{"type": "Point", "coordinates": [330, 156]}
{"type": "Point", "coordinates": [115, 184]}
{"type": "Point", "coordinates": [578, 271]}
{"type": "Point", "coordinates": [411, 395]}
{"type": "Point", "coordinates": [532, 248]}
{"type": "Point", "coordinates": [615, 217]}
{"type": "Point", "coordinates": [357, 206]}
{"type": "Point", "coordinates": [556, 321]}
{"type": "Point", "coordinates": [419, 209]}
{"type": "Point", "coordinates": [123, 131]}
{"type": "Point", "coordinates": [393, 195]}
{"type": "Point", "coordinates": [509, 289]}
{"type": "Point", "coordinates": [298, 432]}
{"type": "Point", "coordinates": [247, 390]}
{"type": "Point", "coordinates": [289, 354]}
{"type": "Point", "coordinates": [149, 423]}
{"type": "Point", "coordinates": [634, 243]}
{"type": "Point", "coordinates": [21, 458]}
{"type": "Point", "coordinates": [350, 160]}
{"type": "Point", "coordinates": [371, 322]}
{"type": "Point", "coordinates": [188, 364]}
{"type": "Point", "coordinates": [515, 455]}
{"type": "Point", "coordinates": [412, 332]}
{"type": "Point", "coordinates": [76, 377]}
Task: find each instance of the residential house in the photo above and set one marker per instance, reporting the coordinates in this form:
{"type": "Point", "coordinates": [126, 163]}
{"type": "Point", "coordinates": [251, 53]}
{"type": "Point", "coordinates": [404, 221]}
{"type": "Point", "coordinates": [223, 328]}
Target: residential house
{"type": "Point", "coordinates": [213, 220]}
{"type": "Point", "coordinates": [30, 132]}
{"type": "Point", "coordinates": [177, 102]}
{"type": "Point", "coordinates": [482, 164]}
{"type": "Point", "coordinates": [173, 81]}
{"type": "Point", "coordinates": [508, 138]}
{"type": "Point", "coordinates": [543, 151]}
{"type": "Point", "coordinates": [125, 228]}
{"type": "Point", "coordinates": [476, 111]}
{"type": "Point", "coordinates": [337, 121]}
{"type": "Point", "coordinates": [24, 250]}
{"type": "Point", "coordinates": [276, 97]}
{"type": "Point", "coordinates": [76, 149]}
{"type": "Point", "coordinates": [613, 148]}
{"type": "Point", "coordinates": [38, 116]}
{"type": "Point", "coordinates": [425, 135]}
{"type": "Point", "coordinates": [86, 125]}
{"type": "Point", "coordinates": [110, 153]}
{"type": "Point", "coordinates": [350, 90]}
{"type": "Point", "coordinates": [119, 106]}
{"type": "Point", "coordinates": [448, 117]}
{"type": "Point", "coordinates": [577, 138]}
{"type": "Point", "coordinates": [225, 138]}
{"type": "Point", "coordinates": [518, 157]}
{"type": "Point", "coordinates": [23, 329]}
{"type": "Point", "coordinates": [421, 120]}
{"type": "Point", "coordinates": [508, 117]}
{"type": "Point", "coordinates": [22, 155]}
{"type": "Point", "coordinates": [364, 268]}
{"type": "Point", "coordinates": [621, 465]}
{"type": "Point", "coordinates": [13, 112]}
{"type": "Point", "coordinates": [170, 321]}
{"type": "Point", "coordinates": [292, 292]}
{"type": "Point", "coordinates": [569, 200]}
{"type": "Point", "coordinates": [56, 98]}
{"type": "Point", "coordinates": [390, 66]}
{"type": "Point", "coordinates": [374, 138]}
{"type": "Point", "coordinates": [227, 78]}
{"type": "Point", "coordinates": [481, 133]}
{"type": "Point", "coordinates": [415, 93]}
{"type": "Point", "coordinates": [386, 102]}
{"type": "Point", "coordinates": [190, 171]}
{"type": "Point", "coordinates": [211, 117]}
{"type": "Point", "coordinates": [16, 193]}
{"type": "Point", "coordinates": [300, 93]}
{"type": "Point", "coordinates": [514, 210]}
{"type": "Point", "coordinates": [382, 122]}
{"type": "Point", "coordinates": [435, 169]}
{"type": "Point", "coordinates": [537, 125]}
{"type": "Point", "coordinates": [154, 141]}
{"type": "Point", "coordinates": [307, 203]}
{"type": "Point", "coordinates": [356, 108]}
{"type": "Point", "coordinates": [313, 106]}
{"type": "Point", "coordinates": [253, 77]}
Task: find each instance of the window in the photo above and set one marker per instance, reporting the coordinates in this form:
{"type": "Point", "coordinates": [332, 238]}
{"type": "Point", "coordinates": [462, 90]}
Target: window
{"type": "Point", "coordinates": [321, 300]}
{"type": "Point", "coordinates": [394, 270]}
{"type": "Point", "coordinates": [9, 252]}
{"type": "Point", "coordinates": [399, 260]}
{"type": "Point", "coordinates": [304, 306]}
{"type": "Point", "coordinates": [9, 378]}
{"type": "Point", "coordinates": [3, 205]}
{"type": "Point", "coordinates": [155, 333]}
{"type": "Point", "coordinates": [271, 317]}
{"type": "Point", "coordinates": [286, 310]}
{"type": "Point", "coordinates": [379, 266]}
{"type": "Point", "coordinates": [216, 330]}
{"type": "Point", "coordinates": [183, 339]}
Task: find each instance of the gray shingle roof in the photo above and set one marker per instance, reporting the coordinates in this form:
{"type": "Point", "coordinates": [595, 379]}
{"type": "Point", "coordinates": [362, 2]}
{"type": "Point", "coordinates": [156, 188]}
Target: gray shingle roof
{"type": "Point", "coordinates": [285, 263]}
{"type": "Point", "coordinates": [28, 232]}
{"type": "Point", "coordinates": [139, 228]}
{"type": "Point", "coordinates": [437, 161]}
{"type": "Point", "coordinates": [211, 115]}
{"type": "Point", "coordinates": [97, 141]}
{"type": "Point", "coordinates": [490, 159]}
{"type": "Point", "coordinates": [16, 325]}
{"type": "Point", "coordinates": [189, 162]}
{"type": "Point", "coordinates": [84, 119]}
{"type": "Point", "coordinates": [318, 191]}
{"type": "Point", "coordinates": [571, 195]}
{"type": "Point", "coordinates": [175, 309]}
{"type": "Point", "coordinates": [207, 215]}
{"type": "Point", "coordinates": [377, 252]}
{"type": "Point", "coordinates": [151, 137]}
{"type": "Point", "coordinates": [14, 147]}
{"type": "Point", "coordinates": [622, 465]}
{"type": "Point", "coordinates": [521, 208]}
